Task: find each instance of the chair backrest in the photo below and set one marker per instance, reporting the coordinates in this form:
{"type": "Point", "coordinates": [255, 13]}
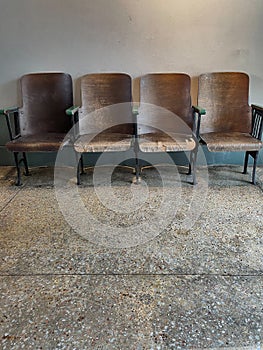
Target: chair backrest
{"type": "Point", "coordinates": [106, 103]}
{"type": "Point", "coordinates": [171, 91]}
{"type": "Point", "coordinates": [224, 95]}
{"type": "Point", "coordinates": [45, 98]}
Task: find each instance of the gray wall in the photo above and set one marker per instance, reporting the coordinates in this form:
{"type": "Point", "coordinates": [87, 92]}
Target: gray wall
{"type": "Point", "coordinates": [134, 36]}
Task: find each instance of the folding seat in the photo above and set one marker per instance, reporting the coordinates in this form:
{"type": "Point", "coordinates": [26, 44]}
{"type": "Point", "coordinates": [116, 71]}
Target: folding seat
{"type": "Point", "coordinates": [105, 121]}
{"type": "Point", "coordinates": [41, 124]}
{"type": "Point", "coordinates": [166, 119]}
{"type": "Point", "coordinates": [230, 124]}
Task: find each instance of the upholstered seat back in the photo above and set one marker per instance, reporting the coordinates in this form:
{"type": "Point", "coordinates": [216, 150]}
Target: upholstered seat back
{"type": "Point", "coordinates": [170, 93]}
{"type": "Point", "coordinates": [106, 103]}
{"type": "Point", "coordinates": [224, 96]}
{"type": "Point", "coordinates": [45, 98]}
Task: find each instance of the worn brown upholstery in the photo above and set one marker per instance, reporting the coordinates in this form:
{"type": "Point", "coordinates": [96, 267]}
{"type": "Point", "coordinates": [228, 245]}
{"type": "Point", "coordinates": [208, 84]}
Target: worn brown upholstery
{"type": "Point", "coordinates": [228, 125]}
{"type": "Point", "coordinates": [169, 128]}
{"type": "Point", "coordinates": [231, 141]}
{"type": "Point", "coordinates": [102, 90]}
{"type": "Point", "coordinates": [36, 143]}
{"type": "Point", "coordinates": [42, 121]}
{"type": "Point", "coordinates": [103, 142]}
{"type": "Point", "coordinates": [105, 117]}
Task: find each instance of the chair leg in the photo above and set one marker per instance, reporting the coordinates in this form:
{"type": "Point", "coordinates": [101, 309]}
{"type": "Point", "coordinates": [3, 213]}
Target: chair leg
{"type": "Point", "coordinates": [255, 156]}
{"type": "Point", "coordinates": [78, 175]}
{"type": "Point", "coordinates": [189, 169]}
{"type": "Point", "coordinates": [25, 164]}
{"type": "Point", "coordinates": [245, 163]}
{"type": "Point", "coordinates": [78, 161]}
{"type": "Point", "coordinates": [137, 170]}
{"type": "Point", "coordinates": [82, 164]}
{"type": "Point", "coordinates": [18, 179]}
{"type": "Point", "coordinates": [136, 179]}
{"type": "Point", "coordinates": [192, 165]}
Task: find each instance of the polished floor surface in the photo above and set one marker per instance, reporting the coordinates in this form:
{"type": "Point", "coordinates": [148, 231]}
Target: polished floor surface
{"type": "Point", "coordinates": [133, 271]}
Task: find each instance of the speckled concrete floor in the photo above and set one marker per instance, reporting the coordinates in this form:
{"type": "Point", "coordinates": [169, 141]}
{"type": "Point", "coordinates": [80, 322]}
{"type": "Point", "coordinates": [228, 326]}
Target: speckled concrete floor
{"type": "Point", "coordinates": [196, 288]}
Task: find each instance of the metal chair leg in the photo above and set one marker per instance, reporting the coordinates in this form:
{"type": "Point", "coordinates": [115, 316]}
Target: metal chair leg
{"type": "Point", "coordinates": [18, 179]}
{"type": "Point", "coordinates": [78, 175]}
{"type": "Point", "coordinates": [189, 169]}
{"type": "Point", "coordinates": [25, 164]}
{"type": "Point", "coordinates": [245, 163]}
{"type": "Point", "coordinates": [78, 161]}
{"type": "Point", "coordinates": [137, 178]}
{"type": "Point", "coordinates": [255, 156]}
{"type": "Point", "coordinates": [82, 164]}
{"type": "Point", "coordinates": [137, 168]}
{"type": "Point", "coordinates": [192, 166]}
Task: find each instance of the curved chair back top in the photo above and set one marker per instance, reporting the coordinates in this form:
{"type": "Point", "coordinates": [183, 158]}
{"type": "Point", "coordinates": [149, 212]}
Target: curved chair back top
{"type": "Point", "coordinates": [106, 103]}
{"type": "Point", "coordinates": [224, 95]}
{"type": "Point", "coordinates": [45, 98]}
{"type": "Point", "coordinates": [171, 91]}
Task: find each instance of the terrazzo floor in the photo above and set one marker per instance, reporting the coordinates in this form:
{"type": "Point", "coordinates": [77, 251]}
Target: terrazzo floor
{"type": "Point", "coordinates": [192, 284]}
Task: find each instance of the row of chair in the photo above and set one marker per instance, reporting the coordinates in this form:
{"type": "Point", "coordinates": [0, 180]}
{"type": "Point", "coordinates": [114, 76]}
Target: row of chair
{"type": "Point", "coordinates": [165, 121]}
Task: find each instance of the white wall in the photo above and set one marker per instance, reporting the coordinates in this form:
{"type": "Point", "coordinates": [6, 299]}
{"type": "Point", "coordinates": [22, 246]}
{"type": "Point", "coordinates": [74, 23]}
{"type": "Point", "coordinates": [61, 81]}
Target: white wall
{"type": "Point", "coordinates": [134, 36]}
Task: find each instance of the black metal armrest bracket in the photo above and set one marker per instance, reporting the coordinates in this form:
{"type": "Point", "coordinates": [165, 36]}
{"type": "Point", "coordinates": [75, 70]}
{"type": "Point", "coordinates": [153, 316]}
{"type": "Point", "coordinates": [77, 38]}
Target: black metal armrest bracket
{"type": "Point", "coordinates": [197, 111]}
{"type": "Point", "coordinates": [6, 113]}
{"type": "Point", "coordinates": [257, 121]}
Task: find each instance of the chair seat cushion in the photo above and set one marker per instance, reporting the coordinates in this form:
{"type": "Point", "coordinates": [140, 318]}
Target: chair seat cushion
{"type": "Point", "coordinates": [233, 141]}
{"type": "Point", "coordinates": [49, 142]}
{"type": "Point", "coordinates": [160, 142]}
{"type": "Point", "coordinates": [104, 142]}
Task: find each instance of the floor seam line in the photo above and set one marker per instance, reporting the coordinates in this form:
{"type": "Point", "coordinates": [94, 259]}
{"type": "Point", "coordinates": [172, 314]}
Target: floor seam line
{"type": "Point", "coordinates": [10, 200]}
{"type": "Point", "coordinates": [126, 274]}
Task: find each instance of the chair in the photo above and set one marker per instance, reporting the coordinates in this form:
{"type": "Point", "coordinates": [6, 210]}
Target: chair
{"type": "Point", "coordinates": [105, 120]}
{"type": "Point", "coordinates": [41, 124]}
{"type": "Point", "coordinates": [172, 127]}
{"type": "Point", "coordinates": [230, 124]}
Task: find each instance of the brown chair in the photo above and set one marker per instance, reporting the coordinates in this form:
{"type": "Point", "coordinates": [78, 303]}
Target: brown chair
{"type": "Point", "coordinates": [41, 124]}
{"type": "Point", "coordinates": [230, 124]}
{"type": "Point", "coordinates": [172, 127]}
{"type": "Point", "coordinates": [105, 121]}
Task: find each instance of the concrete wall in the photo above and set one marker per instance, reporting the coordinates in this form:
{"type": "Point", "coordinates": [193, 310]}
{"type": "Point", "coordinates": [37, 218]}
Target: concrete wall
{"type": "Point", "coordinates": [134, 36]}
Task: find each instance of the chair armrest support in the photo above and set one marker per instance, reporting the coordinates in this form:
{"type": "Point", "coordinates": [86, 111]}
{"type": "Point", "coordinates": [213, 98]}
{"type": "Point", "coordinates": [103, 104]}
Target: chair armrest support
{"type": "Point", "coordinates": [198, 111]}
{"type": "Point", "coordinates": [6, 112]}
{"type": "Point", "coordinates": [257, 121]}
{"type": "Point", "coordinates": [135, 110]}
{"type": "Point", "coordinates": [73, 113]}
{"type": "Point", "coordinates": [9, 110]}
{"type": "Point", "coordinates": [72, 110]}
